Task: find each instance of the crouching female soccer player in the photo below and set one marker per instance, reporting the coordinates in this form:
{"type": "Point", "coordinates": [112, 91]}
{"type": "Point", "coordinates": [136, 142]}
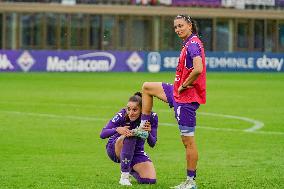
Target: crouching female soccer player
{"type": "Point", "coordinates": [126, 143]}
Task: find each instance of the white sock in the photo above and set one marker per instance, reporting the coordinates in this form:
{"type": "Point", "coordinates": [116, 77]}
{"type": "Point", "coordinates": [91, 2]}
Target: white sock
{"type": "Point", "coordinates": [142, 123]}
{"type": "Point", "coordinates": [189, 178]}
{"type": "Point", "coordinates": [125, 173]}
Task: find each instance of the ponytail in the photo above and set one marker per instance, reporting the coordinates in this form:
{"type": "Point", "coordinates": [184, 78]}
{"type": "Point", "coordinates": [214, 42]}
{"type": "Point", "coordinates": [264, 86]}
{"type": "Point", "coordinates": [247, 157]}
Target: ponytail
{"type": "Point", "coordinates": [194, 27]}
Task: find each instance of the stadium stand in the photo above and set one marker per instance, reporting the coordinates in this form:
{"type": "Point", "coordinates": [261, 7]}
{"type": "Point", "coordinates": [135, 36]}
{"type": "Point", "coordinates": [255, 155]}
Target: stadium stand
{"type": "Point", "coordinates": [225, 25]}
{"type": "Point", "coordinates": [244, 4]}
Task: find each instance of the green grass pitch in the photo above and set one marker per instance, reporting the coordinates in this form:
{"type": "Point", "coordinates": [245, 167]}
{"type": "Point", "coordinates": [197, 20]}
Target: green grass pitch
{"type": "Point", "coordinates": [50, 125]}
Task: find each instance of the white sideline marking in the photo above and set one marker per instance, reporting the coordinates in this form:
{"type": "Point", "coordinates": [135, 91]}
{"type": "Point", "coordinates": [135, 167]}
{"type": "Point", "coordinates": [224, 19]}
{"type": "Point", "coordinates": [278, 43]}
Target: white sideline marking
{"type": "Point", "coordinates": [85, 118]}
{"type": "Point", "coordinates": [229, 129]}
{"type": "Point", "coordinates": [256, 124]}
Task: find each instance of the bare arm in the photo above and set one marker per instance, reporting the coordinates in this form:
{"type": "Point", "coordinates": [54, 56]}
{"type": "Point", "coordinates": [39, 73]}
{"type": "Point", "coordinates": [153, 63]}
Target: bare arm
{"type": "Point", "coordinates": [197, 70]}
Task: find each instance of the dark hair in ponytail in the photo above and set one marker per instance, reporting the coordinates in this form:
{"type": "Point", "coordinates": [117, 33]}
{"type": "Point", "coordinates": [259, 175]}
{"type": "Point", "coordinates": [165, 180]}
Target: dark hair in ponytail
{"type": "Point", "coordinates": [188, 19]}
{"type": "Point", "coordinates": [137, 97]}
{"type": "Point", "coordinates": [194, 27]}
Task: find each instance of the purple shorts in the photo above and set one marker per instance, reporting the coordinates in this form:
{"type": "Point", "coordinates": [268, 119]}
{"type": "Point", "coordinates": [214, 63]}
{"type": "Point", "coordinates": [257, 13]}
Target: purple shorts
{"type": "Point", "coordinates": [185, 113]}
{"type": "Point", "coordinates": [138, 157]}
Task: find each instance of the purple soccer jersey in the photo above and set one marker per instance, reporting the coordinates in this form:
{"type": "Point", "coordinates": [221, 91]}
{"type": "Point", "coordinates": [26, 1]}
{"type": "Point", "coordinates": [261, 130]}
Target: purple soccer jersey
{"type": "Point", "coordinates": [193, 49]}
{"type": "Point", "coordinates": [119, 120]}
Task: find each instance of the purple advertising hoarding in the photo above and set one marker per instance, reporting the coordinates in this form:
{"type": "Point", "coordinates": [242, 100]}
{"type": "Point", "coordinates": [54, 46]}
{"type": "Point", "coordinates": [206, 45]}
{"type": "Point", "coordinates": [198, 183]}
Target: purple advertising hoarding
{"type": "Point", "coordinates": [131, 61]}
{"type": "Point", "coordinates": [220, 61]}
{"type": "Point", "coordinates": [71, 61]}
{"type": "Point", "coordinates": [279, 3]}
{"type": "Point", "coordinates": [215, 3]}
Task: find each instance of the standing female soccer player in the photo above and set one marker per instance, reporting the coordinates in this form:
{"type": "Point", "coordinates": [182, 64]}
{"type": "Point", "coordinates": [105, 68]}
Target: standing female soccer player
{"type": "Point", "coordinates": [126, 143]}
{"type": "Point", "coordinates": [187, 93]}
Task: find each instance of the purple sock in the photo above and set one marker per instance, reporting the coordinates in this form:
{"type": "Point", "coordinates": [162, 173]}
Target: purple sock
{"type": "Point", "coordinates": [145, 117]}
{"type": "Point", "coordinates": [191, 173]}
{"type": "Point", "coordinates": [135, 174]}
{"type": "Point", "coordinates": [142, 180]}
{"type": "Point", "coordinates": [127, 152]}
{"type": "Point", "coordinates": [146, 181]}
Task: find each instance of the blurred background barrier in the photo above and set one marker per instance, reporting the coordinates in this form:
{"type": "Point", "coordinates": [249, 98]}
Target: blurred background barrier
{"type": "Point", "coordinates": [198, 3]}
{"type": "Point", "coordinates": [131, 61]}
{"type": "Point", "coordinates": [140, 25]}
{"type": "Point", "coordinates": [71, 61]}
{"type": "Point", "coordinates": [220, 61]}
{"type": "Point", "coordinates": [214, 3]}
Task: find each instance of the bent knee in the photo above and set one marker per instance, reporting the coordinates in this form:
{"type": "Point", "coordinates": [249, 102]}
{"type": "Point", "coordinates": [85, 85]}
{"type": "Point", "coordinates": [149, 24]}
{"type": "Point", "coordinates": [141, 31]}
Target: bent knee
{"type": "Point", "coordinates": [146, 86]}
{"type": "Point", "coordinates": [154, 89]}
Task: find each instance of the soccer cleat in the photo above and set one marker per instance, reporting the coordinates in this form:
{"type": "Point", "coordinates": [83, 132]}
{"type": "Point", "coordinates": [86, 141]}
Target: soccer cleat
{"type": "Point", "coordinates": [140, 133]}
{"type": "Point", "coordinates": [124, 179]}
{"type": "Point", "coordinates": [188, 184]}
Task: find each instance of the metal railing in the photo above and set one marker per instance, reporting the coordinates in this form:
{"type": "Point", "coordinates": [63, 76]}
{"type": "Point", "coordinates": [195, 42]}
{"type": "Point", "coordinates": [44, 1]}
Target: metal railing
{"type": "Point", "coordinates": [239, 4]}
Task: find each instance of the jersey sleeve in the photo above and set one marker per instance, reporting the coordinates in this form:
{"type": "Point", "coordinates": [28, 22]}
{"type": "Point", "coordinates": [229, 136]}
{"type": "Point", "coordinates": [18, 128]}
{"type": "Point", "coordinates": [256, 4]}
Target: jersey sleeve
{"type": "Point", "coordinates": [193, 50]}
{"type": "Point", "coordinates": [152, 139]}
{"type": "Point", "coordinates": [110, 128]}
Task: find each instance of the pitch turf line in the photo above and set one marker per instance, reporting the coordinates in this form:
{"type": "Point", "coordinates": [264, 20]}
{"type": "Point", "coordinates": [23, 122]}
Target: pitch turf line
{"type": "Point", "coordinates": [257, 124]}
{"type": "Point", "coordinates": [84, 118]}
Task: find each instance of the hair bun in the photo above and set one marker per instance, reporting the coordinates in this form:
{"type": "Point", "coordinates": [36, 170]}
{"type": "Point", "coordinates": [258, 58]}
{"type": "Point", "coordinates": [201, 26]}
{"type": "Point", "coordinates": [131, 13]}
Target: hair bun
{"type": "Point", "coordinates": [138, 94]}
